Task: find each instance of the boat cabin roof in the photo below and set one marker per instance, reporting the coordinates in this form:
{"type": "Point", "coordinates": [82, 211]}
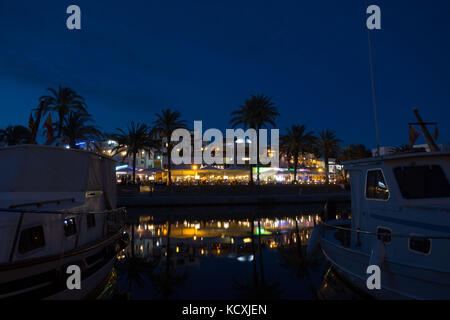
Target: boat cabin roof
{"type": "Point", "coordinates": [398, 156]}
{"type": "Point", "coordinates": [34, 168]}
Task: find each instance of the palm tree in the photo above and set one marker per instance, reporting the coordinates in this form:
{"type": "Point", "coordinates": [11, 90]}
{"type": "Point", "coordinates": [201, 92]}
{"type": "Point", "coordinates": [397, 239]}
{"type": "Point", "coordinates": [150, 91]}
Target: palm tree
{"type": "Point", "coordinates": [353, 152]}
{"type": "Point", "coordinates": [133, 267]}
{"type": "Point", "coordinates": [259, 288]}
{"type": "Point", "coordinates": [41, 111]}
{"type": "Point", "coordinates": [257, 112]}
{"type": "Point", "coordinates": [62, 101]}
{"type": "Point", "coordinates": [293, 257]}
{"type": "Point", "coordinates": [165, 124]}
{"type": "Point", "coordinates": [14, 135]}
{"type": "Point", "coordinates": [327, 145]}
{"type": "Point", "coordinates": [167, 280]}
{"type": "Point", "coordinates": [295, 143]}
{"type": "Point", "coordinates": [76, 127]}
{"type": "Point", "coordinates": [133, 140]}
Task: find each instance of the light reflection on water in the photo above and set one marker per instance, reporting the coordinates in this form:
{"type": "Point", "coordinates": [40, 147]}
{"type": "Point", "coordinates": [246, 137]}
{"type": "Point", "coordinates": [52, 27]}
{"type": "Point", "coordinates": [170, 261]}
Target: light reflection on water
{"type": "Point", "coordinates": [220, 259]}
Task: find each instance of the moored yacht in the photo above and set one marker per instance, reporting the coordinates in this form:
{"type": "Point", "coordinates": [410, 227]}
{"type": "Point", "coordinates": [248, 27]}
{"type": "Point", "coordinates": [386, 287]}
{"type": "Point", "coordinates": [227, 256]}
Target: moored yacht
{"type": "Point", "coordinates": [57, 209]}
{"type": "Point", "coordinates": [400, 221]}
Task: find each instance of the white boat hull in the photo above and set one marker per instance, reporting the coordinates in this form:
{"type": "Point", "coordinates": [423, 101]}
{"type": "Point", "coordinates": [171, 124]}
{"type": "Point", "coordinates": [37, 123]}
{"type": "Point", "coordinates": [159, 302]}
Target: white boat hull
{"type": "Point", "coordinates": [398, 280]}
{"type": "Point", "coordinates": [46, 278]}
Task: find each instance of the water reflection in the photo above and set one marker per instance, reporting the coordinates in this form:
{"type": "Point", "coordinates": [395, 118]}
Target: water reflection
{"type": "Point", "coordinates": [219, 259]}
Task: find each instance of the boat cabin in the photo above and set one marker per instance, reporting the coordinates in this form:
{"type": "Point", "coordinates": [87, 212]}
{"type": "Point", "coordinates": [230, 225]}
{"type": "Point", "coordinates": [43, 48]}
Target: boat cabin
{"type": "Point", "coordinates": [404, 194]}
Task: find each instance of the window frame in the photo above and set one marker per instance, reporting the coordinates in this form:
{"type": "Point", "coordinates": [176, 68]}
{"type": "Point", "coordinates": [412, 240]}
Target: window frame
{"type": "Point", "coordinates": [419, 165]}
{"type": "Point", "coordinates": [35, 249]}
{"type": "Point", "coordinates": [385, 181]}
{"type": "Point", "coordinates": [419, 252]}
{"type": "Point", "coordinates": [75, 226]}
{"type": "Point", "coordinates": [385, 228]}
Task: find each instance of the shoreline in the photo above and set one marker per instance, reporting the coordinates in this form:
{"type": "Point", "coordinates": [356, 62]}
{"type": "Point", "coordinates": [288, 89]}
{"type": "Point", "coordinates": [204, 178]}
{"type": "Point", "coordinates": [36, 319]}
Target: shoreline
{"type": "Point", "coordinates": [147, 200]}
{"type": "Point", "coordinates": [229, 206]}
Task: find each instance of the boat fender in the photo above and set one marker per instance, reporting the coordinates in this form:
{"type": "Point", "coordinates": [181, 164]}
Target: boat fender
{"type": "Point", "coordinates": [378, 253]}
{"type": "Point", "coordinates": [314, 241]}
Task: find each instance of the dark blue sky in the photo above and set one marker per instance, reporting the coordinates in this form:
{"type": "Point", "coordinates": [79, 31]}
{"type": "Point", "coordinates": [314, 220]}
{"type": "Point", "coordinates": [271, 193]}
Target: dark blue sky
{"type": "Point", "coordinates": [205, 57]}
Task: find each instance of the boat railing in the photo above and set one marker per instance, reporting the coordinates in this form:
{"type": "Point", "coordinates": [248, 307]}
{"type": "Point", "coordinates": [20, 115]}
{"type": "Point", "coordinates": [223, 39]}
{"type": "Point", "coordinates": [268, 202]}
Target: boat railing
{"type": "Point", "coordinates": [41, 203]}
{"type": "Point", "coordinates": [381, 234]}
{"type": "Point", "coordinates": [112, 224]}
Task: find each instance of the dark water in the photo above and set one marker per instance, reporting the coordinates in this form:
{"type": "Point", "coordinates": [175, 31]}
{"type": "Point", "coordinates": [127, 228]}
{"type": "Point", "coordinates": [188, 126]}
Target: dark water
{"type": "Point", "coordinates": [220, 259]}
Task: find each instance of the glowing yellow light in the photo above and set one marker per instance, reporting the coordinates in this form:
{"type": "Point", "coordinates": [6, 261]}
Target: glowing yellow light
{"type": "Point", "coordinates": [247, 240]}
{"type": "Point", "coordinates": [203, 251]}
{"type": "Point", "coordinates": [178, 249]}
{"type": "Point", "coordinates": [195, 238]}
{"type": "Point", "coordinates": [194, 167]}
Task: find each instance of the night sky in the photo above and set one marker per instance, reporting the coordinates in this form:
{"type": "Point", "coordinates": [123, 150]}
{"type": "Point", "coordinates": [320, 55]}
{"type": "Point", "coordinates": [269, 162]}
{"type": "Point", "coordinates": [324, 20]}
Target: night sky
{"type": "Point", "coordinates": [205, 57]}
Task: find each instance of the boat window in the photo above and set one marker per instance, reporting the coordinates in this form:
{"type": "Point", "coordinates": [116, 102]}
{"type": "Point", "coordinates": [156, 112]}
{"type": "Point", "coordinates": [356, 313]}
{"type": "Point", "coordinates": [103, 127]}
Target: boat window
{"type": "Point", "coordinates": [376, 187]}
{"type": "Point", "coordinates": [70, 227]}
{"type": "Point", "coordinates": [420, 244]}
{"type": "Point", "coordinates": [30, 239]}
{"type": "Point", "coordinates": [90, 220]}
{"type": "Point", "coordinates": [418, 182]}
{"type": "Point", "coordinates": [384, 234]}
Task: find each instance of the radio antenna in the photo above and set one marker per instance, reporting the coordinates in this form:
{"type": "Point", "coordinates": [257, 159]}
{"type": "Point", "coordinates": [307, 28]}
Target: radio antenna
{"type": "Point", "coordinates": [372, 79]}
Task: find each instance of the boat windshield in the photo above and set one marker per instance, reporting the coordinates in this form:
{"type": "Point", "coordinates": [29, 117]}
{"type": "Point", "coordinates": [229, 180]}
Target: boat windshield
{"type": "Point", "coordinates": [376, 187]}
{"type": "Point", "coordinates": [420, 182]}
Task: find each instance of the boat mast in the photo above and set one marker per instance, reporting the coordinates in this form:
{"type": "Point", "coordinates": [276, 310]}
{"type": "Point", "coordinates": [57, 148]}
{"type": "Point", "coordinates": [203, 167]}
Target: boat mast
{"type": "Point", "coordinates": [429, 139]}
{"type": "Point", "coordinates": [374, 100]}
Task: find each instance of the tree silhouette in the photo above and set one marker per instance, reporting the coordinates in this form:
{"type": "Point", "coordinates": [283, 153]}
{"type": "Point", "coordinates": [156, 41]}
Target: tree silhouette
{"type": "Point", "coordinates": [137, 137]}
{"type": "Point", "coordinates": [14, 135]}
{"type": "Point", "coordinates": [295, 143]}
{"type": "Point", "coordinates": [257, 112]}
{"type": "Point", "coordinates": [165, 124]}
{"type": "Point", "coordinates": [327, 145]}
{"type": "Point", "coordinates": [62, 101]}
